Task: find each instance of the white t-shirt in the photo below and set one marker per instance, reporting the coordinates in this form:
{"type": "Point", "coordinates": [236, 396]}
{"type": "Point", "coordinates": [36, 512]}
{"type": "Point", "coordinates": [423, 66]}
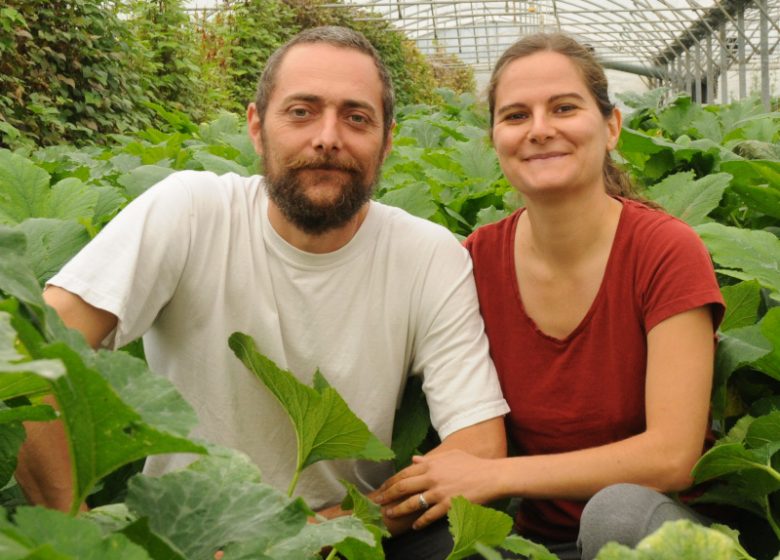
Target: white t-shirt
{"type": "Point", "coordinates": [195, 259]}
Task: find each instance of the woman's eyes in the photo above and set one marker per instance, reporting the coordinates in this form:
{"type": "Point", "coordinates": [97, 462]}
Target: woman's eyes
{"type": "Point", "coordinates": [516, 116]}
{"type": "Point", "coordinates": [524, 115]}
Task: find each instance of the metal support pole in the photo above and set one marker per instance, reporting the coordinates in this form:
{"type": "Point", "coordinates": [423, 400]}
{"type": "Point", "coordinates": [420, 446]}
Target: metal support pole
{"type": "Point", "coordinates": [724, 66]}
{"type": "Point", "coordinates": [741, 51]}
{"type": "Point", "coordinates": [688, 77]}
{"type": "Point", "coordinates": [763, 6]}
{"type": "Point", "coordinates": [697, 73]}
{"type": "Point", "coordinates": [709, 95]}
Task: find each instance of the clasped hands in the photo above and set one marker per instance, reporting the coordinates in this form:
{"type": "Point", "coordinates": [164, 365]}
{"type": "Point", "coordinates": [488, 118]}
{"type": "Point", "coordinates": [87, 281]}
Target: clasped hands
{"type": "Point", "coordinates": [427, 486]}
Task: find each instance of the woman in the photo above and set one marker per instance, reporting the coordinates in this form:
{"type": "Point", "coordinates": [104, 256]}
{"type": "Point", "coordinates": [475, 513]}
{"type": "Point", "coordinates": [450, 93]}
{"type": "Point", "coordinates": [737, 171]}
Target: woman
{"type": "Point", "coordinates": [600, 311]}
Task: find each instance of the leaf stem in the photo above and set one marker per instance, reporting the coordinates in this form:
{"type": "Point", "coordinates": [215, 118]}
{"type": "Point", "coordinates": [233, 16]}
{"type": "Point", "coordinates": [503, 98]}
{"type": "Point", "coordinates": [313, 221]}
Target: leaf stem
{"type": "Point", "coordinates": [293, 482]}
{"type": "Point", "coordinates": [331, 555]}
{"type": "Point", "coordinates": [771, 519]}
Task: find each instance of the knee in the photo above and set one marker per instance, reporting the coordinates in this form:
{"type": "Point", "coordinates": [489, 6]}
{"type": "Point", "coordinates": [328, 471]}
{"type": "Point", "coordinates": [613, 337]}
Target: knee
{"type": "Point", "coordinates": [620, 513]}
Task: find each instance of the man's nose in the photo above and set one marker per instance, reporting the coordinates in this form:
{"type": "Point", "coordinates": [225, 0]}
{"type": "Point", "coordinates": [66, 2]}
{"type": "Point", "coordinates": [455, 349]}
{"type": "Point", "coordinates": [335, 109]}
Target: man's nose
{"type": "Point", "coordinates": [328, 136]}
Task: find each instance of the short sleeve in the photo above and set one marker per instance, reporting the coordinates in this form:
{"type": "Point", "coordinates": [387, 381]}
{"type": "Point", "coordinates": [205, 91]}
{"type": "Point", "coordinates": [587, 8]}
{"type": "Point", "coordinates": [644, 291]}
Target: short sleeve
{"type": "Point", "coordinates": [132, 267]}
{"type": "Point", "coordinates": [460, 381]}
{"type": "Point", "coordinates": [677, 273]}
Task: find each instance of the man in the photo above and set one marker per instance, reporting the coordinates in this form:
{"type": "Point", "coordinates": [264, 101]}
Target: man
{"type": "Point", "coordinates": [306, 264]}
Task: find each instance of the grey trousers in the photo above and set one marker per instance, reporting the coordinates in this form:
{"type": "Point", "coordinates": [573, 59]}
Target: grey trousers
{"type": "Point", "coordinates": [624, 513]}
{"type": "Point", "coordinates": [627, 513]}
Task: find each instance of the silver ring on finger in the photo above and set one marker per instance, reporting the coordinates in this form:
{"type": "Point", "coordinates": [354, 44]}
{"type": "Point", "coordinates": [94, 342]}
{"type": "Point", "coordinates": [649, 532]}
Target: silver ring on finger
{"type": "Point", "coordinates": [423, 503]}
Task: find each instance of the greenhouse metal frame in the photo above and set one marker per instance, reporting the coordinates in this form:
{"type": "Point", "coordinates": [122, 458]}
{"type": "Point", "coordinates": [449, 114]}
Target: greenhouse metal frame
{"type": "Point", "coordinates": [716, 50]}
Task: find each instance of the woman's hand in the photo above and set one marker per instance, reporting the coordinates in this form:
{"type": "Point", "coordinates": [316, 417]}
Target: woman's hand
{"type": "Point", "coordinates": [439, 477]}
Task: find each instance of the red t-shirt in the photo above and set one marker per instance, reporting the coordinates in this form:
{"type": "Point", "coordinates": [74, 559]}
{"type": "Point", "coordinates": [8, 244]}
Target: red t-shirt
{"type": "Point", "coordinates": [589, 388]}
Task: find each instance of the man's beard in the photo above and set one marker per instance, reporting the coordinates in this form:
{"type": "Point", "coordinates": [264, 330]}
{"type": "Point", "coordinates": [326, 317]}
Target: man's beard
{"type": "Point", "coordinates": [286, 189]}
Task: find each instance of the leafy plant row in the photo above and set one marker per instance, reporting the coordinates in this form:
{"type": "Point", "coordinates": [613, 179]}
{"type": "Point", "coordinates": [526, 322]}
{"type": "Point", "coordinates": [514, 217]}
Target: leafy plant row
{"type": "Point", "coordinates": [78, 70]}
{"type": "Point", "coordinates": [715, 167]}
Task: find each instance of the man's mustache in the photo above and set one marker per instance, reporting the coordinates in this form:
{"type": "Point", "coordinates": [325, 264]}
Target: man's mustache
{"type": "Point", "coordinates": [324, 162]}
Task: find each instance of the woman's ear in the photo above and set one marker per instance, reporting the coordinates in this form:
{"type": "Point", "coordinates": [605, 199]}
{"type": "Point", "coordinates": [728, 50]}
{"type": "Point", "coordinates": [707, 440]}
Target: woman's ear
{"type": "Point", "coordinates": [614, 125]}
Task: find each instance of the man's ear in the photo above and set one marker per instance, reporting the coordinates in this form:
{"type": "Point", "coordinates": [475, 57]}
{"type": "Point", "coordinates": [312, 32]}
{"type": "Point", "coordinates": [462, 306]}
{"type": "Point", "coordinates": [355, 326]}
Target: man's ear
{"type": "Point", "coordinates": [253, 127]}
{"type": "Point", "coordinates": [388, 141]}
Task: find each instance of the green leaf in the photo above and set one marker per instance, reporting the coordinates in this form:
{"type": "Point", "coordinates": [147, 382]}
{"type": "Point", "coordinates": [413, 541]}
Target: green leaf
{"type": "Point", "coordinates": [324, 425]}
{"type": "Point", "coordinates": [201, 511]}
{"type": "Point", "coordinates": [742, 301]}
{"type": "Point", "coordinates": [755, 171]}
{"type": "Point", "coordinates": [730, 458]}
{"type": "Point", "coordinates": [219, 503]}
{"type": "Point", "coordinates": [364, 509]}
{"type": "Point", "coordinates": [746, 490]}
{"type": "Point", "coordinates": [20, 376]}
{"type": "Point", "coordinates": [415, 198]}
{"type": "Point", "coordinates": [412, 422]}
{"type": "Point", "coordinates": [110, 200]}
{"type": "Point", "coordinates": [477, 159]}
{"type": "Point", "coordinates": [686, 540]}
{"type": "Point", "coordinates": [38, 533]}
{"type": "Point", "coordinates": [157, 548]}
{"type": "Point", "coordinates": [71, 199]}
{"type": "Point", "coordinates": [24, 189]}
{"type": "Point", "coordinates": [471, 524]}
{"type": "Point", "coordinates": [521, 545]}
{"type": "Point", "coordinates": [490, 215]}
{"type": "Point", "coordinates": [370, 515]}
{"type": "Point", "coordinates": [488, 553]}
{"type": "Point", "coordinates": [341, 533]}
{"type": "Point", "coordinates": [688, 199]}
{"type": "Point", "coordinates": [770, 329]}
{"type": "Point", "coordinates": [104, 433]}
{"type": "Point", "coordinates": [35, 413]}
{"type": "Point", "coordinates": [744, 254]}
{"type": "Point", "coordinates": [143, 177]}
{"type": "Point", "coordinates": [152, 396]}
{"type": "Point", "coordinates": [219, 165]}
{"type": "Point", "coordinates": [16, 278]}
{"type": "Point", "coordinates": [51, 243]}
{"type": "Point", "coordinates": [11, 438]}
{"type": "Point", "coordinates": [736, 348]}
{"type": "Point", "coordinates": [764, 431]}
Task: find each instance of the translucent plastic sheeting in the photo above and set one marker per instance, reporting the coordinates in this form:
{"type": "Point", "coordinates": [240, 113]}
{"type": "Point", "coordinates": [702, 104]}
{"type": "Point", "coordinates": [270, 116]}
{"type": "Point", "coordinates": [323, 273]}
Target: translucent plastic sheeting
{"type": "Point", "coordinates": [715, 49]}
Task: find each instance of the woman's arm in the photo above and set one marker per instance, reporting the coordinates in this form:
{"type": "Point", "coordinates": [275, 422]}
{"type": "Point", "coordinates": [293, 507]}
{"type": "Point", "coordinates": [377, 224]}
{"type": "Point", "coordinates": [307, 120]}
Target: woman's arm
{"type": "Point", "coordinates": [679, 380]}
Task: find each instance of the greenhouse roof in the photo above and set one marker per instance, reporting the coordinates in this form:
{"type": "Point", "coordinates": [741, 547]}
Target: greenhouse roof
{"type": "Point", "coordinates": [645, 37]}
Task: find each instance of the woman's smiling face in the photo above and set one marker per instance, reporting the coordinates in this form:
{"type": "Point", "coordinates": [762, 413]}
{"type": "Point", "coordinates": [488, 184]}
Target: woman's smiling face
{"type": "Point", "coordinates": [548, 132]}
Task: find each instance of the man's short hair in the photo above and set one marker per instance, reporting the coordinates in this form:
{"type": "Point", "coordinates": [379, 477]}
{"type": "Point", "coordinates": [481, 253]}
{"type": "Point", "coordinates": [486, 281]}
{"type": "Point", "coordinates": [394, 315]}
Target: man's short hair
{"type": "Point", "coordinates": [335, 36]}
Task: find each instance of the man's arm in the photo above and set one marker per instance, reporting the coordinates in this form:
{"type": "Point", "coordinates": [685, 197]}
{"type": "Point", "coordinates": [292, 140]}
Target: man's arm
{"type": "Point", "coordinates": [43, 471]}
{"type": "Point", "coordinates": [486, 440]}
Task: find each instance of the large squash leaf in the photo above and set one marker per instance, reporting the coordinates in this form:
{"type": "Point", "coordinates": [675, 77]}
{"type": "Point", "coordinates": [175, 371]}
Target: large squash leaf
{"type": "Point", "coordinates": [324, 425]}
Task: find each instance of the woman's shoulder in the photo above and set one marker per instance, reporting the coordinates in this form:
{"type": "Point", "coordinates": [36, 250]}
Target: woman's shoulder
{"type": "Point", "coordinates": [655, 226]}
{"type": "Point", "coordinates": [493, 233]}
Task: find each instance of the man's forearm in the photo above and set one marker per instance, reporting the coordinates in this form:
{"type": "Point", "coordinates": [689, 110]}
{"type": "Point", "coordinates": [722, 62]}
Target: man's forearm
{"type": "Point", "coordinates": [486, 439]}
{"type": "Point", "coordinates": [43, 471]}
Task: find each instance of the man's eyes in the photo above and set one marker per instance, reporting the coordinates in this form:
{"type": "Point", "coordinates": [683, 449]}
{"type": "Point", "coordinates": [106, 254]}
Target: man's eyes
{"type": "Point", "coordinates": [357, 118]}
